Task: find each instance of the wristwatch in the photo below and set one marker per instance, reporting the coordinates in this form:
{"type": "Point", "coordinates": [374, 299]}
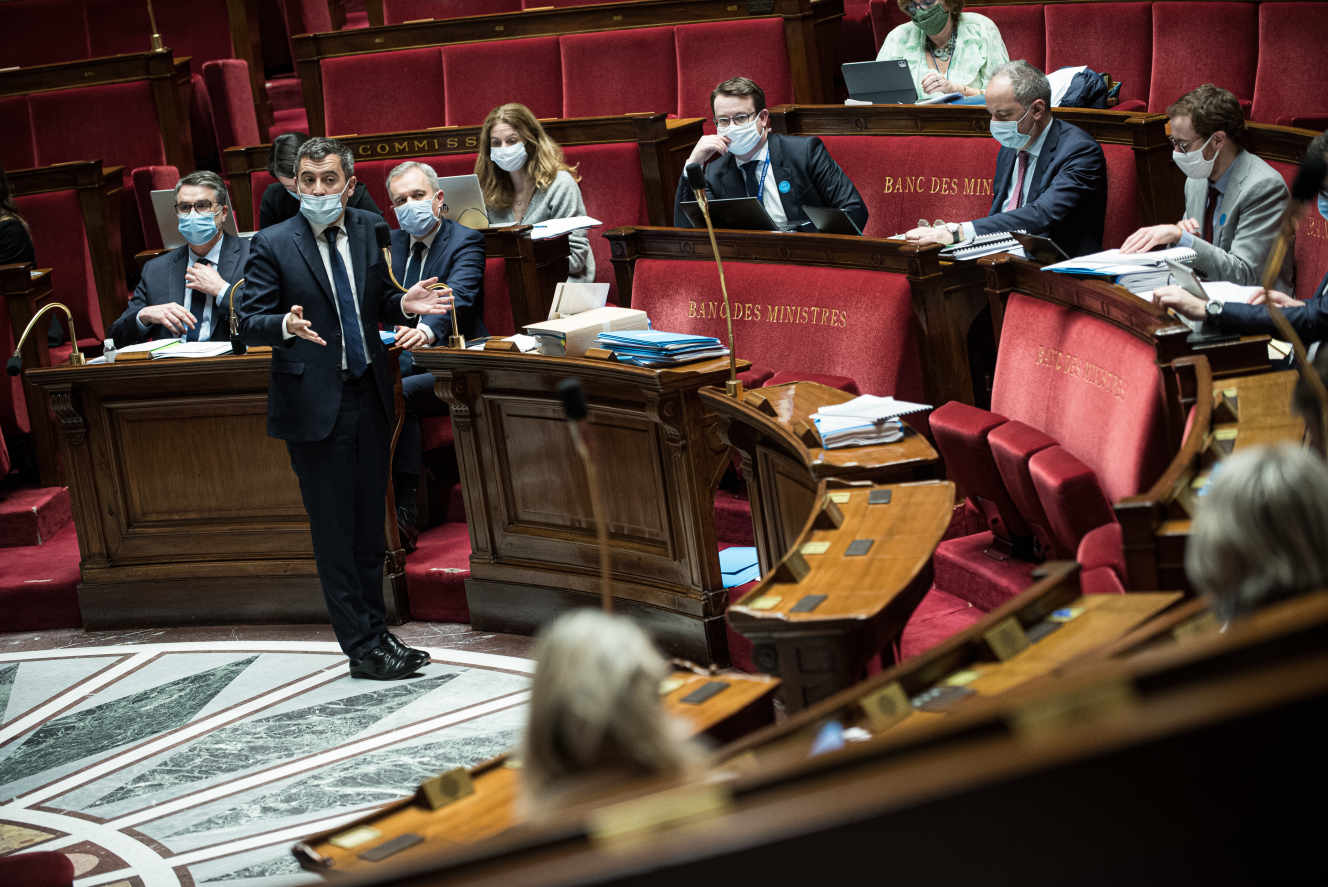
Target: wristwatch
{"type": "Point", "coordinates": [956, 231]}
{"type": "Point", "coordinates": [1213, 309]}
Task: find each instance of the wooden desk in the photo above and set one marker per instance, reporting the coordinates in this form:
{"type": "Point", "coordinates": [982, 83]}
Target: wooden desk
{"type": "Point", "coordinates": [746, 704]}
{"type": "Point", "coordinates": [187, 512]}
{"type": "Point", "coordinates": [782, 471]}
{"type": "Point", "coordinates": [532, 534]}
{"type": "Point", "coordinates": [864, 601]}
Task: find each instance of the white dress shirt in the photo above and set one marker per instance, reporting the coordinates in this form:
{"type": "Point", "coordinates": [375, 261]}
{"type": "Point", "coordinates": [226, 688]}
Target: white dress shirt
{"type": "Point", "coordinates": [343, 250]}
{"type": "Point", "coordinates": [770, 188]}
{"type": "Point", "coordinates": [204, 317]}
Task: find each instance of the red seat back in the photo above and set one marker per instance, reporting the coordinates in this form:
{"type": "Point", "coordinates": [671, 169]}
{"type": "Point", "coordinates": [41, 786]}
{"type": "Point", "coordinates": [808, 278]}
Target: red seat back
{"type": "Point", "coordinates": [17, 150]}
{"type": "Point", "coordinates": [397, 11]}
{"type": "Point", "coordinates": [1311, 241]}
{"type": "Point", "coordinates": [1123, 217]}
{"type": "Point", "coordinates": [129, 137]}
{"type": "Point", "coordinates": [614, 192]}
{"type": "Point", "coordinates": [497, 300]}
{"type": "Point", "coordinates": [593, 65]}
{"type": "Point", "coordinates": [906, 178]}
{"type": "Point", "coordinates": [1070, 495]}
{"type": "Point", "coordinates": [1013, 445]}
{"type": "Point", "coordinates": [478, 77]}
{"type": "Point", "coordinates": [1023, 31]}
{"type": "Point", "coordinates": [836, 321]}
{"type": "Point", "coordinates": [1101, 558]}
{"type": "Point", "coordinates": [1197, 42]}
{"type": "Point", "coordinates": [307, 16]}
{"type": "Point", "coordinates": [1091, 386]}
{"type": "Point", "coordinates": [147, 179]}
{"type": "Point", "coordinates": [364, 93]}
{"type": "Point", "coordinates": [1285, 85]}
{"type": "Point", "coordinates": [1110, 38]}
{"type": "Point", "coordinates": [258, 182]}
{"type": "Point", "coordinates": [885, 17]}
{"type": "Point", "coordinates": [61, 241]}
{"type": "Point", "coordinates": [232, 102]}
{"type": "Point", "coordinates": [962, 434]}
{"type": "Point", "coordinates": [712, 52]}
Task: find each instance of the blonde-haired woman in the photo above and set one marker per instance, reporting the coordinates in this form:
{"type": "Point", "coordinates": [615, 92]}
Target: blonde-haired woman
{"type": "Point", "coordinates": [526, 180]}
{"type": "Point", "coordinates": [596, 719]}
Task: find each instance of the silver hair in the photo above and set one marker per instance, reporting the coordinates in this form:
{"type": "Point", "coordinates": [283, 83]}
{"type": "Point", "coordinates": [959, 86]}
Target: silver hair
{"type": "Point", "coordinates": [406, 166]}
{"type": "Point", "coordinates": [1261, 531]}
{"type": "Point", "coordinates": [320, 147]}
{"type": "Point", "coordinates": [1027, 82]}
{"type": "Point", "coordinates": [205, 179]}
{"type": "Point", "coordinates": [595, 709]}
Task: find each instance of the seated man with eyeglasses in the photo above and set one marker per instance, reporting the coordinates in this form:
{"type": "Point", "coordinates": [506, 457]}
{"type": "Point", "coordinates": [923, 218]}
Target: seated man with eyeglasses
{"type": "Point", "coordinates": [787, 172]}
{"type": "Point", "coordinates": [182, 293]}
{"type": "Point", "coordinates": [1233, 199]}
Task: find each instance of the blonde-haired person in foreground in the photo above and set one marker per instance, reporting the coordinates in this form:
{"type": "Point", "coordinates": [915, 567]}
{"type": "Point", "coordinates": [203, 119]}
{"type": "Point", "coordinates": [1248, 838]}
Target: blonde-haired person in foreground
{"type": "Point", "coordinates": [596, 715]}
{"type": "Point", "coordinates": [526, 180]}
{"type": "Point", "coordinates": [1261, 532]}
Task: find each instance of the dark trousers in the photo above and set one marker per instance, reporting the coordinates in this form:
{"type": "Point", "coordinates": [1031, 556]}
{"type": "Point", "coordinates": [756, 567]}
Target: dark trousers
{"type": "Point", "coordinates": [417, 391]}
{"type": "Point", "coordinates": [343, 480]}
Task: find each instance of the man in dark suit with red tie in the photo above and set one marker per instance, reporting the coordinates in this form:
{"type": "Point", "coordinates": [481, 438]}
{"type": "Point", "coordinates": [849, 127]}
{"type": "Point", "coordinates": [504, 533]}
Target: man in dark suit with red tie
{"type": "Point", "coordinates": [316, 290]}
{"type": "Point", "coordinates": [182, 293]}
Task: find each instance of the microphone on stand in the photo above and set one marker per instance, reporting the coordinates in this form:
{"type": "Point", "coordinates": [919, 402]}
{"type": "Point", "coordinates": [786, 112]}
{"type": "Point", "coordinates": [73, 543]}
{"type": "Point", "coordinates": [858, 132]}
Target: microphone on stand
{"type": "Point", "coordinates": [696, 178]}
{"type": "Point", "coordinates": [1309, 179]}
{"type": "Point", "coordinates": [574, 405]}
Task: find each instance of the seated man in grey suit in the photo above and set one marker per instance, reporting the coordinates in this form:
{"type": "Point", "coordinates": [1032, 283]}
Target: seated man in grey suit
{"type": "Point", "coordinates": [182, 293]}
{"type": "Point", "coordinates": [1233, 199]}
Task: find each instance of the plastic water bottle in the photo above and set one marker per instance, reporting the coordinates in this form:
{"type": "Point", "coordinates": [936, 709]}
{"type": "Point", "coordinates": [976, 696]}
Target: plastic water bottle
{"type": "Point", "coordinates": [108, 350]}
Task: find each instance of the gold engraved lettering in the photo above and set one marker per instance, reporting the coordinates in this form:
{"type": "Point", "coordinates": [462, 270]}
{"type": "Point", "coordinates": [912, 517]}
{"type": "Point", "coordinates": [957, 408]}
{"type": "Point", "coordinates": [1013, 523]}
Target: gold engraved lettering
{"type": "Point", "coordinates": [977, 187]}
{"type": "Point", "coordinates": [1072, 365]}
{"type": "Point", "coordinates": [401, 147]}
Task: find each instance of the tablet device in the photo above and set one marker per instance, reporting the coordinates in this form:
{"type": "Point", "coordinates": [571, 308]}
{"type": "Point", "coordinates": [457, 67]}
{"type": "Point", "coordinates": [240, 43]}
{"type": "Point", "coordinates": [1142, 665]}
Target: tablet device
{"type": "Point", "coordinates": [731, 212]}
{"type": "Point", "coordinates": [463, 201]}
{"type": "Point", "coordinates": [1185, 279]}
{"type": "Point", "coordinates": [886, 82]}
{"type": "Point", "coordinates": [831, 220]}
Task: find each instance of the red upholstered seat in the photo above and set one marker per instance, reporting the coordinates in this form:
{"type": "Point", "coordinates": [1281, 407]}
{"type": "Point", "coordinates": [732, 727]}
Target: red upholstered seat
{"type": "Point", "coordinates": [885, 17]}
{"type": "Point", "coordinates": [397, 11]}
{"type": "Point", "coordinates": [973, 568]}
{"type": "Point", "coordinates": [258, 182]}
{"type": "Point", "coordinates": [1101, 558]}
{"type": "Point", "coordinates": [232, 97]}
{"type": "Point", "coordinates": [1022, 30]}
{"type": "Point", "coordinates": [1123, 217]}
{"type": "Point", "coordinates": [614, 192]}
{"type": "Point", "coordinates": [906, 178]}
{"type": "Point", "coordinates": [1012, 446]}
{"type": "Point", "coordinates": [202, 126]}
{"type": "Point", "coordinates": [361, 93]}
{"type": "Point", "coordinates": [841, 321]}
{"type": "Point", "coordinates": [843, 383]}
{"type": "Point", "coordinates": [1070, 496]}
{"type": "Point", "coordinates": [938, 616]}
{"type": "Point", "coordinates": [1110, 38]}
{"type": "Point", "coordinates": [593, 66]}
{"type": "Point", "coordinates": [56, 220]}
{"type": "Point", "coordinates": [1196, 42]}
{"type": "Point", "coordinates": [17, 150]}
{"type": "Point", "coordinates": [961, 433]}
{"type": "Point", "coordinates": [307, 16]}
{"type": "Point", "coordinates": [147, 179]}
{"type": "Point", "coordinates": [712, 52]}
{"type": "Point", "coordinates": [45, 868]}
{"type": "Point", "coordinates": [733, 520]}
{"type": "Point", "coordinates": [129, 137]}
{"type": "Point", "coordinates": [755, 376]}
{"type": "Point", "coordinates": [1285, 86]}
{"type": "Point", "coordinates": [1093, 387]}
{"type": "Point", "coordinates": [478, 77]}
{"type": "Point", "coordinates": [497, 300]}
{"type": "Point", "coordinates": [1311, 241]}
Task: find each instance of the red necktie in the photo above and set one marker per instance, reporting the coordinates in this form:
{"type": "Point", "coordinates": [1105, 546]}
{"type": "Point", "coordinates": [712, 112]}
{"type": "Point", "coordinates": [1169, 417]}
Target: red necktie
{"type": "Point", "coordinates": [1017, 195]}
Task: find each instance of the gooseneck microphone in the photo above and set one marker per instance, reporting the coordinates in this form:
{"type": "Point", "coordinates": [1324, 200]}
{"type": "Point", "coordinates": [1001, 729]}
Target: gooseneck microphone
{"type": "Point", "coordinates": [456, 340]}
{"type": "Point", "coordinates": [696, 178]}
{"type": "Point", "coordinates": [14, 365]}
{"type": "Point", "coordinates": [574, 406]}
{"type": "Point", "coordinates": [1309, 179]}
{"type": "Point", "coordinates": [237, 343]}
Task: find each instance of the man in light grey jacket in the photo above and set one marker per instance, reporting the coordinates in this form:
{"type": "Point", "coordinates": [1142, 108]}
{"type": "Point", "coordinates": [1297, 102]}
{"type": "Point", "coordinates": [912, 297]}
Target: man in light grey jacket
{"type": "Point", "coordinates": [1233, 199]}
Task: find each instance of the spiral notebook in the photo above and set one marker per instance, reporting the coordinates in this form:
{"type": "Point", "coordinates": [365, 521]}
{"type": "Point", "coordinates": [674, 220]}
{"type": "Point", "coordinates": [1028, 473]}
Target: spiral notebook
{"type": "Point", "coordinates": [985, 245]}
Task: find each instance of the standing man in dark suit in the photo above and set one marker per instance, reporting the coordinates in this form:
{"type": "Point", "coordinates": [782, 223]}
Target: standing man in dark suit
{"type": "Point", "coordinates": [745, 159]}
{"type": "Point", "coordinates": [1051, 176]}
{"type": "Point", "coordinates": [428, 244]}
{"type": "Point", "coordinates": [182, 293]}
{"type": "Point", "coordinates": [316, 290]}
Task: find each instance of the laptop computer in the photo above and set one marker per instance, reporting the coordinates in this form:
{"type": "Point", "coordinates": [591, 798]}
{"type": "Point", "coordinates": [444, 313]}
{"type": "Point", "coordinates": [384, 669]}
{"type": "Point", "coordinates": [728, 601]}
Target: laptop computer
{"type": "Point", "coordinates": [168, 221]}
{"type": "Point", "coordinates": [463, 200]}
{"type": "Point", "coordinates": [882, 83]}
{"type": "Point", "coordinates": [831, 220]}
{"type": "Point", "coordinates": [731, 212]}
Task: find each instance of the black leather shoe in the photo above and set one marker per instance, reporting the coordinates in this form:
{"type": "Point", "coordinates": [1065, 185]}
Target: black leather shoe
{"type": "Point", "coordinates": [407, 529]}
{"type": "Point", "coordinates": [418, 657]}
{"type": "Point", "coordinates": [382, 664]}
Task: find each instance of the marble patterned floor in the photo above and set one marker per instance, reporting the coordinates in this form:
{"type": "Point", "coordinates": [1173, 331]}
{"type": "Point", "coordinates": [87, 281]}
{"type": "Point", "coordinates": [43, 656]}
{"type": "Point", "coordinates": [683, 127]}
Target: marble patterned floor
{"type": "Point", "coordinates": [198, 756]}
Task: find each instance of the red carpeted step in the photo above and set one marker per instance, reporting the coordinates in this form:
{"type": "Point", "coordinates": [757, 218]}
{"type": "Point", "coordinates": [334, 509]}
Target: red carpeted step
{"type": "Point", "coordinates": [33, 515]}
{"type": "Point", "coordinates": [937, 617]}
{"type": "Point", "coordinates": [436, 574]}
{"type": "Point", "coordinates": [733, 519]}
{"type": "Point", "coordinates": [965, 568]}
{"type": "Point", "coordinates": [39, 584]}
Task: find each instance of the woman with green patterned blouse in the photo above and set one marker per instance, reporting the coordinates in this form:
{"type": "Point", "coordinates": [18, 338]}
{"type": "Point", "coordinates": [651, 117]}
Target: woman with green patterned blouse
{"type": "Point", "coordinates": [947, 50]}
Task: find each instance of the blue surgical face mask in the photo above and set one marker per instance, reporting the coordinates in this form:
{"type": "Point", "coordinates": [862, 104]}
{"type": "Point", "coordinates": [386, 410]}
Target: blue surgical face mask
{"type": "Point", "coordinates": [416, 217]}
{"type": "Point", "coordinates": [1323, 205]}
{"type": "Point", "coordinates": [293, 193]}
{"type": "Point", "coordinates": [198, 228]}
{"type": "Point", "coordinates": [321, 209]}
{"type": "Point", "coordinates": [1007, 132]}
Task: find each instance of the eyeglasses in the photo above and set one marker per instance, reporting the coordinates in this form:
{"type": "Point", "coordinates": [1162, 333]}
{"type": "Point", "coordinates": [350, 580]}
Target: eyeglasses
{"type": "Point", "coordinates": [1187, 145]}
{"type": "Point", "coordinates": [735, 120]}
{"type": "Point", "coordinates": [202, 206]}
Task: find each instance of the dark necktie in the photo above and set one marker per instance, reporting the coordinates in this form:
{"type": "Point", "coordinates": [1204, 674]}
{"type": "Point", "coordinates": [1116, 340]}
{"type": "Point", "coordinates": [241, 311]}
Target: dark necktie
{"type": "Point", "coordinates": [352, 336]}
{"type": "Point", "coordinates": [749, 176]}
{"type": "Point", "coordinates": [1210, 205]}
{"type": "Point", "coordinates": [197, 306]}
{"type": "Point", "coordinates": [1016, 198]}
{"type": "Point", "coordinates": [414, 265]}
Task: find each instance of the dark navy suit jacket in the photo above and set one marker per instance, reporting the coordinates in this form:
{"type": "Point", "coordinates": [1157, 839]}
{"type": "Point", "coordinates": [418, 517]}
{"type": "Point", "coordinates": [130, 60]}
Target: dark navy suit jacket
{"type": "Point", "coordinates": [1309, 321]}
{"type": "Point", "coordinates": [163, 281]}
{"type": "Point", "coordinates": [285, 269]}
{"type": "Point", "coordinates": [1067, 199]}
{"type": "Point", "coordinates": [813, 177]}
{"type": "Point", "coordinates": [456, 258]}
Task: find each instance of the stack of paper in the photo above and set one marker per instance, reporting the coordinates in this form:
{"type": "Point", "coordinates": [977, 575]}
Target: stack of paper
{"type": "Point", "coordinates": [656, 348]}
{"type": "Point", "coordinates": [863, 421]}
{"type": "Point", "coordinates": [192, 349]}
{"type": "Point", "coordinates": [571, 336]}
{"type": "Point", "coordinates": [1137, 272]}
